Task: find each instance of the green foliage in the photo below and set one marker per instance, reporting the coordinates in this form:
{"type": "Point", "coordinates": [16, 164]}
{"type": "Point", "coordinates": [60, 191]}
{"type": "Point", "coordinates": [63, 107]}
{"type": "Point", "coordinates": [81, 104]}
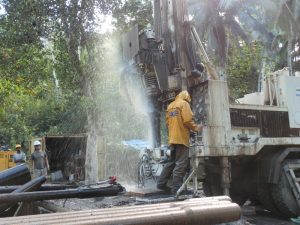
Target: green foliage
{"type": "Point", "coordinates": [54, 72]}
{"type": "Point", "coordinates": [133, 12]}
{"type": "Point", "coordinates": [243, 69]}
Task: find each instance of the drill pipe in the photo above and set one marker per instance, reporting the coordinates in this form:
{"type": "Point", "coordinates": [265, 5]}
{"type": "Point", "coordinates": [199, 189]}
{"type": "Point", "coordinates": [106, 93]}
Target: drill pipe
{"type": "Point", "coordinates": [126, 211]}
{"type": "Point", "coordinates": [29, 186]}
{"type": "Point", "coordinates": [188, 213]}
{"type": "Point", "coordinates": [120, 213]}
{"type": "Point", "coordinates": [44, 187]}
{"type": "Point", "coordinates": [32, 185]}
{"type": "Point", "coordinates": [151, 207]}
{"type": "Point", "coordinates": [132, 210]}
{"type": "Point", "coordinates": [71, 193]}
{"type": "Point", "coordinates": [14, 176]}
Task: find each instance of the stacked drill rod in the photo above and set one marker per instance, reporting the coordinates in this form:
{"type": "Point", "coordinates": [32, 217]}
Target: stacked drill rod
{"type": "Point", "coordinates": [26, 190]}
{"type": "Point", "coordinates": [212, 210]}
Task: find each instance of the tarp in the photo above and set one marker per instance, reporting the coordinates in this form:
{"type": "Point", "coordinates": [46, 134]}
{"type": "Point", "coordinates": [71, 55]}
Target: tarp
{"type": "Point", "coordinates": [136, 144]}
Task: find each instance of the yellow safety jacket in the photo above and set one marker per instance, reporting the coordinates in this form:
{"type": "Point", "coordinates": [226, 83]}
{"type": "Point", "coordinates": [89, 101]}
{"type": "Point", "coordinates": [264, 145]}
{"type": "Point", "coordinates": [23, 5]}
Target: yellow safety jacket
{"type": "Point", "coordinates": [180, 119]}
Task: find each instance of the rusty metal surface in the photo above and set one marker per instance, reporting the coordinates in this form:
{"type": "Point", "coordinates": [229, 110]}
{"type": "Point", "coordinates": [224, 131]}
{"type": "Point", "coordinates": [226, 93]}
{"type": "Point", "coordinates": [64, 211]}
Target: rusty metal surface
{"type": "Point", "coordinates": [196, 211]}
{"type": "Point", "coordinates": [271, 123]}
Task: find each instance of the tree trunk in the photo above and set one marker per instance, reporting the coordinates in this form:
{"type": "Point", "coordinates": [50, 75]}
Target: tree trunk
{"type": "Point", "coordinates": [91, 160]}
{"type": "Point", "coordinates": [289, 51]}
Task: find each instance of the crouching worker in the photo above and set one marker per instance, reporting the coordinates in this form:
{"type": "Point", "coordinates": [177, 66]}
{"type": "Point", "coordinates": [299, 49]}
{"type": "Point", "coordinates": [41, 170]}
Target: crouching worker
{"type": "Point", "coordinates": [39, 159]}
{"type": "Point", "coordinates": [179, 120]}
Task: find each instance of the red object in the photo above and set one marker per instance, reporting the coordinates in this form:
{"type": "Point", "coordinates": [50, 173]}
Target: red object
{"type": "Point", "coordinates": [112, 180]}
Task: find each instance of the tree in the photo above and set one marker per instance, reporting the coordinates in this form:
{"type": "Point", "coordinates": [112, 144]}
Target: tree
{"type": "Point", "coordinates": [67, 25]}
{"type": "Point", "coordinates": [229, 25]}
{"type": "Point", "coordinates": [133, 12]}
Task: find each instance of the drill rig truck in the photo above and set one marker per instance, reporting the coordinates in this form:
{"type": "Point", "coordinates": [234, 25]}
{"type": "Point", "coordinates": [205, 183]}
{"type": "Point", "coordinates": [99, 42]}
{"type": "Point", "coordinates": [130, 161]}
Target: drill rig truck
{"type": "Point", "coordinates": [248, 150]}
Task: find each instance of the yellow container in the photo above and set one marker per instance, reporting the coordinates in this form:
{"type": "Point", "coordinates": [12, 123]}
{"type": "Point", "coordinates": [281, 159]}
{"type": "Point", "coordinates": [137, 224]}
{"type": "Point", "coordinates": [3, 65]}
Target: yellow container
{"type": "Point", "coordinates": [10, 155]}
{"type": "Point", "coordinates": [6, 160]}
{"type": "Point", "coordinates": [3, 161]}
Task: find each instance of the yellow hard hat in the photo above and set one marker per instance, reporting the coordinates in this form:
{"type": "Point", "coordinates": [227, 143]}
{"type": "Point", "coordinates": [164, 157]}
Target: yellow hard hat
{"type": "Point", "coordinates": [18, 146]}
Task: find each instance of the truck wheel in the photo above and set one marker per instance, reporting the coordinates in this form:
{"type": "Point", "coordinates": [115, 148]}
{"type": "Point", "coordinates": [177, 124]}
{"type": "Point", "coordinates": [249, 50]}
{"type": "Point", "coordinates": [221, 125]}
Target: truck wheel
{"type": "Point", "coordinates": [265, 198]}
{"type": "Point", "coordinates": [283, 196]}
{"type": "Point", "coordinates": [237, 194]}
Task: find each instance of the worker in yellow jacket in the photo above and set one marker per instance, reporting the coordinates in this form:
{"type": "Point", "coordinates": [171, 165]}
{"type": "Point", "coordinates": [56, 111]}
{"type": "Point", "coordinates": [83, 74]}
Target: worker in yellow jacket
{"type": "Point", "coordinates": [179, 122]}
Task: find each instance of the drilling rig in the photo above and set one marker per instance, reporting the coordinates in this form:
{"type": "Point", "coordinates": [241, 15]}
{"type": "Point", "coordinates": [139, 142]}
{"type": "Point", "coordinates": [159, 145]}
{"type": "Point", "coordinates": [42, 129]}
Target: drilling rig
{"type": "Point", "coordinates": [248, 150]}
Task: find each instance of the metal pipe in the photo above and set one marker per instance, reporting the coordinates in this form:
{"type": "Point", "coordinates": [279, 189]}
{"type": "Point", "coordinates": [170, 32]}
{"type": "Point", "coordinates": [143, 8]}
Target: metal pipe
{"type": "Point", "coordinates": [219, 198]}
{"type": "Point", "coordinates": [32, 185]}
{"type": "Point", "coordinates": [44, 187]}
{"type": "Point", "coordinates": [136, 209]}
{"type": "Point", "coordinates": [194, 215]}
{"type": "Point", "coordinates": [226, 177]}
{"type": "Point", "coordinates": [117, 215]}
{"type": "Point", "coordinates": [20, 207]}
{"type": "Point", "coordinates": [197, 215]}
{"type": "Point", "coordinates": [195, 178]}
{"type": "Point", "coordinates": [185, 215]}
{"type": "Point", "coordinates": [118, 211]}
{"type": "Point", "coordinates": [173, 199]}
{"type": "Point", "coordinates": [210, 69]}
{"type": "Point", "coordinates": [130, 211]}
{"type": "Point", "coordinates": [199, 43]}
{"type": "Point", "coordinates": [184, 183]}
{"type": "Point", "coordinates": [14, 176]}
{"type": "Point", "coordinates": [47, 195]}
{"type": "Point", "coordinates": [29, 186]}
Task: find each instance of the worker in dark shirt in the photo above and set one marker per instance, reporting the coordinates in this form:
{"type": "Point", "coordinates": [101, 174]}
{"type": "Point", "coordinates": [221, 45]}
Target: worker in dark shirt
{"type": "Point", "coordinates": [39, 161]}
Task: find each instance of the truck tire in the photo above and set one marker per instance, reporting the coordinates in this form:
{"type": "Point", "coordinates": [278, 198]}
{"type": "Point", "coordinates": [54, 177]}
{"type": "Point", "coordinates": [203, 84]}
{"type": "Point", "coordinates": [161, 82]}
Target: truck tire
{"type": "Point", "coordinates": [265, 198]}
{"type": "Point", "coordinates": [283, 196]}
{"type": "Point", "coordinates": [238, 195]}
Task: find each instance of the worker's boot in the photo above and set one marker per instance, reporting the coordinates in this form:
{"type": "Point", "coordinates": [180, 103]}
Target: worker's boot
{"type": "Point", "coordinates": [163, 180]}
{"type": "Point", "coordinates": [165, 176]}
{"type": "Point", "coordinates": [177, 182]}
{"type": "Point", "coordinates": [164, 188]}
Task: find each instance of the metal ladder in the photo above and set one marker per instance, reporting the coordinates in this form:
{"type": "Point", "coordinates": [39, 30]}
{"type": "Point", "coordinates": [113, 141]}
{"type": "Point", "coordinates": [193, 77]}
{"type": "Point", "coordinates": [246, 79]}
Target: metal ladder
{"type": "Point", "coordinates": [294, 181]}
